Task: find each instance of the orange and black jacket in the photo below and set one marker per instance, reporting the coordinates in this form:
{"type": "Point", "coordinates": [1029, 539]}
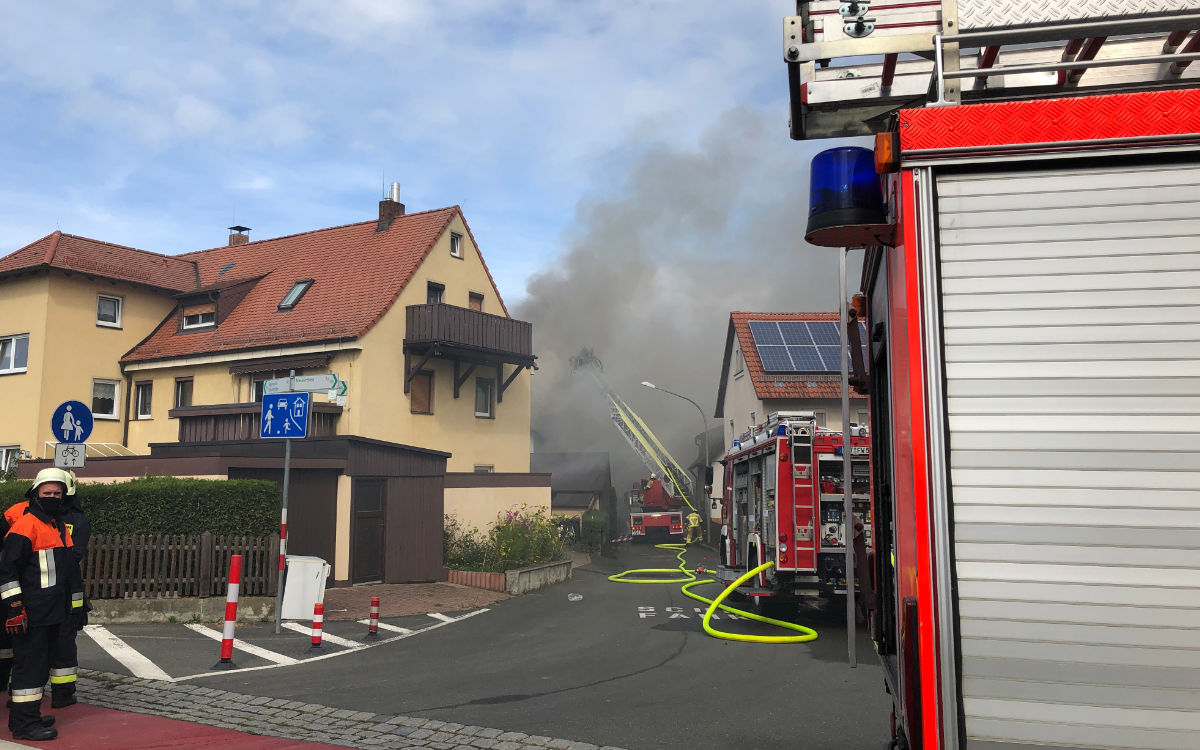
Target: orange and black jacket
{"type": "Point", "coordinates": [38, 567]}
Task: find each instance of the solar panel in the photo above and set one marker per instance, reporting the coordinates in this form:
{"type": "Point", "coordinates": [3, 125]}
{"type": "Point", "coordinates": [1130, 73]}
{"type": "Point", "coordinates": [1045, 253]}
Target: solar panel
{"type": "Point", "coordinates": [765, 333]}
{"type": "Point", "coordinates": [775, 358]}
{"type": "Point", "coordinates": [795, 333]}
{"type": "Point", "coordinates": [824, 333]}
{"type": "Point", "coordinates": [806, 358]}
{"type": "Point", "coordinates": [832, 357]}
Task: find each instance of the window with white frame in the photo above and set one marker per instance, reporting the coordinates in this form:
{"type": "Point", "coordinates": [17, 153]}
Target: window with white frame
{"type": "Point", "coordinates": [196, 318]}
{"type": "Point", "coordinates": [456, 244]}
{"type": "Point", "coordinates": [819, 415]}
{"type": "Point", "coordinates": [14, 353]}
{"type": "Point", "coordinates": [485, 398]}
{"type": "Point", "coordinates": [484, 469]}
{"type": "Point", "coordinates": [8, 457]}
{"type": "Point", "coordinates": [143, 395]}
{"type": "Point", "coordinates": [739, 363]}
{"type": "Point", "coordinates": [434, 293]}
{"type": "Point", "coordinates": [108, 310]}
{"type": "Point", "coordinates": [104, 398]}
{"type": "Point", "coordinates": [183, 392]}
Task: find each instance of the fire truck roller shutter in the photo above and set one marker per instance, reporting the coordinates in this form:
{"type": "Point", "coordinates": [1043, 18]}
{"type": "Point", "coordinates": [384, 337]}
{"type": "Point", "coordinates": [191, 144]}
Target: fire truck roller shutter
{"type": "Point", "coordinates": [1071, 314]}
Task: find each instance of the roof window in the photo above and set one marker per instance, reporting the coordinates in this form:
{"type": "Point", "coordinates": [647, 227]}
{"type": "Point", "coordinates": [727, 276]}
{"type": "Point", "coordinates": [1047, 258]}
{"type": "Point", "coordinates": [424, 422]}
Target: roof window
{"type": "Point", "coordinates": [291, 298]}
{"type": "Point", "coordinates": [225, 268]}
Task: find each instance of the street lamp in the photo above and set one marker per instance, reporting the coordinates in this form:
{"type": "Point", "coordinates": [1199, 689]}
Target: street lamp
{"type": "Point", "coordinates": [703, 473]}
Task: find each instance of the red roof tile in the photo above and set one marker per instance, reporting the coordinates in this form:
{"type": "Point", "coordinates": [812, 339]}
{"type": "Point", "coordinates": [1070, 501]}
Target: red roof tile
{"type": "Point", "coordinates": [358, 273]}
{"type": "Point", "coordinates": [782, 385]}
{"type": "Point", "coordinates": [93, 257]}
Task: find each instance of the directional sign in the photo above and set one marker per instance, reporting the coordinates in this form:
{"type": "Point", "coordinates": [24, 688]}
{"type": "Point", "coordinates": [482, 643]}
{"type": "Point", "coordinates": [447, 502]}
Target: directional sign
{"type": "Point", "coordinates": [284, 415]}
{"type": "Point", "coordinates": [69, 456]}
{"type": "Point", "coordinates": [71, 422]}
{"type": "Point", "coordinates": [301, 384]}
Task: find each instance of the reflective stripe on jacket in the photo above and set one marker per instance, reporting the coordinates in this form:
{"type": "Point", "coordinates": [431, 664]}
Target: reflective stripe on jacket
{"type": "Point", "coordinates": [38, 565]}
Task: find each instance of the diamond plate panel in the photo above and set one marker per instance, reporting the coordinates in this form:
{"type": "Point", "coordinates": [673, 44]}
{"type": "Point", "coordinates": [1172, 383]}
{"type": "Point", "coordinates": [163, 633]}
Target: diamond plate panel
{"type": "Point", "coordinates": [974, 15]}
{"type": "Point", "coordinates": [1151, 113]}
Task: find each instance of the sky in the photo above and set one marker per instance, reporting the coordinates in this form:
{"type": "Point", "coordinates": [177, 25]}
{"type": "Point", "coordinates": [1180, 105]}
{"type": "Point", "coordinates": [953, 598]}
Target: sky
{"type": "Point", "coordinates": [624, 166]}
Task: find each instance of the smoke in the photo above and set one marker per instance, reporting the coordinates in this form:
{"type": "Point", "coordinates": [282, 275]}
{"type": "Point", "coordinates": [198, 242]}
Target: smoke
{"type": "Point", "coordinates": [650, 274]}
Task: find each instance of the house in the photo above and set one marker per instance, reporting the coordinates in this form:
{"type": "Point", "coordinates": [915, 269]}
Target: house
{"type": "Point", "coordinates": [579, 482]}
{"type": "Point", "coordinates": [782, 362]}
{"type": "Point", "coordinates": [174, 354]}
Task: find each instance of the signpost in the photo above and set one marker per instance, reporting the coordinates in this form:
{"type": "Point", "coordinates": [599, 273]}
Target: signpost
{"type": "Point", "coordinates": [284, 415]}
{"type": "Point", "coordinates": [306, 384]}
{"type": "Point", "coordinates": [71, 424]}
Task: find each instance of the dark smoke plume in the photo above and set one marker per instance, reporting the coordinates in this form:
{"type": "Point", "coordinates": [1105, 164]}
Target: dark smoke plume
{"type": "Point", "coordinates": [650, 274]}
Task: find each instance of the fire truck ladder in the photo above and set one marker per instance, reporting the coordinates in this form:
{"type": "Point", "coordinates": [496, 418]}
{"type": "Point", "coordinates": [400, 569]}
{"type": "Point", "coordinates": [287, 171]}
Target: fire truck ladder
{"type": "Point", "coordinates": [635, 431]}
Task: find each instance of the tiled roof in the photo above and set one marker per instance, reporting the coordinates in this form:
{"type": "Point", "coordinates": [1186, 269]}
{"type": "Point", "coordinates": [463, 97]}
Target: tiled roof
{"type": "Point", "coordinates": [358, 273]}
{"type": "Point", "coordinates": [93, 257]}
{"type": "Point", "coordinates": [781, 385]}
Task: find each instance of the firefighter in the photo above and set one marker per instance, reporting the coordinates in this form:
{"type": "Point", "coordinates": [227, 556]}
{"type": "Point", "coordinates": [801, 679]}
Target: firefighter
{"type": "Point", "coordinates": [693, 532]}
{"type": "Point", "coordinates": [80, 530]}
{"type": "Point", "coordinates": [42, 593]}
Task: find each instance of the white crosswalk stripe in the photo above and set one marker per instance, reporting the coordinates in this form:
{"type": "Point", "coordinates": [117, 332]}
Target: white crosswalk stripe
{"type": "Point", "coordinates": [325, 635]}
{"type": "Point", "coordinates": [118, 649]}
{"type": "Point", "coordinates": [393, 628]}
{"type": "Point", "coordinates": [241, 645]}
{"type": "Point", "coordinates": [440, 616]}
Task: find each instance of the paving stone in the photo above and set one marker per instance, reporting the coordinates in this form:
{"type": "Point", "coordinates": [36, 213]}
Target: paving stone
{"type": "Point", "coordinates": [507, 745]}
{"type": "Point", "coordinates": [559, 744]}
{"type": "Point", "coordinates": [468, 731]}
{"type": "Point", "coordinates": [363, 716]}
{"type": "Point", "coordinates": [440, 746]}
{"type": "Point", "coordinates": [434, 724]}
{"type": "Point", "coordinates": [344, 713]}
{"type": "Point", "coordinates": [420, 734]}
{"type": "Point", "coordinates": [440, 737]}
{"type": "Point", "coordinates": [451, 727]}
{"type": "Point", "coordinates": [512, 736]}
{"type": "Point", "coordinates": [403, 731]}
{"type": "Point", "coordinates": [582, 746]}
{"type": "Point", "coordinates": [412, 721]}
{"type": "Point", "coordinates": [484, 742]}
{"type": "Point", "coordinates": [490, 733]}
{"type": "Point", "coordinates": [536, 739]}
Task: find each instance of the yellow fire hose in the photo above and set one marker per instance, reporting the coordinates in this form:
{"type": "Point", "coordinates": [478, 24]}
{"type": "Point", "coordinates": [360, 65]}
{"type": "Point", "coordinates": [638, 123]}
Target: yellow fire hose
{"type": "Point", "coordinates": [690, 581]}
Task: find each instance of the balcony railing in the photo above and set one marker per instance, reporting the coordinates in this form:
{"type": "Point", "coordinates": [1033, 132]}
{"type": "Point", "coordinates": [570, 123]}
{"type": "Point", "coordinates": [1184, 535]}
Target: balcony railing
{"type": "Point", "coordinates": [506, 338]}
{"type": "Point", "coordinates": [205, 424]}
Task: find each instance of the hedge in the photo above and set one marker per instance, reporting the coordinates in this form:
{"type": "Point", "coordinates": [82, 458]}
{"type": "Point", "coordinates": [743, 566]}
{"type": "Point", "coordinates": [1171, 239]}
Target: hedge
{"type": "Point", "coordinates": [168, 505]}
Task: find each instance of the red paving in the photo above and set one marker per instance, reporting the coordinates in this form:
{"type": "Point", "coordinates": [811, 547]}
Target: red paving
{"type": "Point", "coordinates": [91, 728]}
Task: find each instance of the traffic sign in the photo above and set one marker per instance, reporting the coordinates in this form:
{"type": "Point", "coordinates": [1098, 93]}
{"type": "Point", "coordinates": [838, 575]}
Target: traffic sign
{"type": "Point", "coordinates": [303, 384]}
{"type": "Point", "coordinates": [284, 415]}
{"type": "Point", "coordinates": [69, 456]}
{"type": "Point", "coordinates": [71, 422]}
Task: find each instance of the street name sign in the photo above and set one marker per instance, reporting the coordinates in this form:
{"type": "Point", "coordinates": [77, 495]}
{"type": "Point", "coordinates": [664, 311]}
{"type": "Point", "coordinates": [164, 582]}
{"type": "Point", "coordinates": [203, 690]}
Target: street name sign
{"type": "Point", "coordinates": [305, 384]}
{"type": "Point", "coordinates": [284, 415]}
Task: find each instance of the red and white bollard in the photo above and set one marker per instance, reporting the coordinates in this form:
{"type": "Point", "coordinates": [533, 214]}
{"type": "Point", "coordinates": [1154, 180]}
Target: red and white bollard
{"type": "Point", "coordinates": [231, 602]}
{"type": "Point", "coordinates": [373, 628]}
{"type": "Point", "coordinates": [318, 625]}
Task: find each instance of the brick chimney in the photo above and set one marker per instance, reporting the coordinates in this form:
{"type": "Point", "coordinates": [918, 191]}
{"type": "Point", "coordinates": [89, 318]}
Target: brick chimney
{"type": "Point", "coordinates": [238, 236]}
{"type": "Point", "coordinates": [390, 208]}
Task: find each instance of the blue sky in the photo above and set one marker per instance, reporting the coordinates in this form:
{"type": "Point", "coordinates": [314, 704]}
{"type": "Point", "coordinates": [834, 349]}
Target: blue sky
{"type": "Point", "coordinates": [159, 124]}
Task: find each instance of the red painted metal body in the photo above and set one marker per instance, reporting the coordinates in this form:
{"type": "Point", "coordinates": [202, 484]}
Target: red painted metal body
{"type": "Point", "coordinates": [660, 516]}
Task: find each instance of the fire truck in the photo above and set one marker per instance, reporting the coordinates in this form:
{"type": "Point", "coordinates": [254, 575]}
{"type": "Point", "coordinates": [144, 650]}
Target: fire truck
{"type": "Point", "coordinates": [784, 502]}
{"type": "Point", "coordinates": [655, 515]}
{"type": "Point", "coordinates": [1030, 215]}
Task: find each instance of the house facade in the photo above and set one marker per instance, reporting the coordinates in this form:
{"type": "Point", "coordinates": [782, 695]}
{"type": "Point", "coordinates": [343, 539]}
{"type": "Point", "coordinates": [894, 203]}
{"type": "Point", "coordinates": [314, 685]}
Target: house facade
{"type": "Point", "coordinates": [779, 362]}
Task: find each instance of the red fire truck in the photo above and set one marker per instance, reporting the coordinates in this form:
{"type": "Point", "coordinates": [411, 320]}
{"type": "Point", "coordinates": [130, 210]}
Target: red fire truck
{"type": "Point", "coordinates": [654, 514]}
{"type": "Point", "coordinates": [1033, 321]}
{"type": "Point", "coordinates": [783, 502]}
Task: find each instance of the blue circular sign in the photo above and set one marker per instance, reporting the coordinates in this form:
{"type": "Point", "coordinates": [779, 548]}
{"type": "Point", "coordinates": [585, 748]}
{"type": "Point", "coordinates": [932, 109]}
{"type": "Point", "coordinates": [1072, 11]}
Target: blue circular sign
{"type": "Point", "coordinates": [72, 422]}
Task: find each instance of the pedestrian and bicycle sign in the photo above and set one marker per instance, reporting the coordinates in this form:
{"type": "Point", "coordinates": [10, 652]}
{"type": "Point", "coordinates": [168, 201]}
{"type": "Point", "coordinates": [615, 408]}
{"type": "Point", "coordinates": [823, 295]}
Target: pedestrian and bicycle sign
{"type": "Point", "coordinates": [285, 415]}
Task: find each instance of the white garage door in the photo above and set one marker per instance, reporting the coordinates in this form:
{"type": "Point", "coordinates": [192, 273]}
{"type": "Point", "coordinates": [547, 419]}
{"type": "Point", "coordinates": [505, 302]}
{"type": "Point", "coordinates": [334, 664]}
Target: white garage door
{"type": "Point", "coordinates": [1071, 303]}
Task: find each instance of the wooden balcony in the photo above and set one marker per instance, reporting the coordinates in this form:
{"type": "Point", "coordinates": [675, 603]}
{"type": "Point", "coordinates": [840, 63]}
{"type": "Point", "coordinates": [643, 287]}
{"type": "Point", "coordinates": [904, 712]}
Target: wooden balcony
{"type": "Point", "coordinates": [217, 422]}
{"type": "Point", "coordinates": [470, 339]}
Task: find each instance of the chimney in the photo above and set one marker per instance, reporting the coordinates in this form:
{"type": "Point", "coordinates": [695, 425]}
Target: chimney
{"type": "Point", "coordinates": [390, 208]}
{"type": "Point", "coordinates": [238, 236]}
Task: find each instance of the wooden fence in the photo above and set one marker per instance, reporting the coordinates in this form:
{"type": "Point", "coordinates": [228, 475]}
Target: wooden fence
{"type": "Point", "coordinates": [146, 566]}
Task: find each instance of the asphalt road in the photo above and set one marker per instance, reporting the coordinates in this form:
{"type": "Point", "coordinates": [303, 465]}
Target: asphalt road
{"type": "Point", "coordinates": [616, 668]}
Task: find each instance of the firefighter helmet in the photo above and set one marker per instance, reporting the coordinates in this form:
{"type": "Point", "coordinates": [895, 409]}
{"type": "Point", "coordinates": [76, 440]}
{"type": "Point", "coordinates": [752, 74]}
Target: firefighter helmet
{"type": "Point", "coordinates": [51, 475]}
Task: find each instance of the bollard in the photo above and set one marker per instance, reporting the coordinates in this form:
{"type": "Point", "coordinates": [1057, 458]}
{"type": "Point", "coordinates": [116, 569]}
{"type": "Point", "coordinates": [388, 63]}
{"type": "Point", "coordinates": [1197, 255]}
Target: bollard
{"type": "Point", "coordinates": [373, 628]}
{"type": "Point", "coordinates": [231, 602]}
{"type": "Point", "coordinates": [318, 625]}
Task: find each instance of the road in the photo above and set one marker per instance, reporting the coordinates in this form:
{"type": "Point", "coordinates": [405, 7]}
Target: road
{"type": "Point", "coordinates": [628, 665]}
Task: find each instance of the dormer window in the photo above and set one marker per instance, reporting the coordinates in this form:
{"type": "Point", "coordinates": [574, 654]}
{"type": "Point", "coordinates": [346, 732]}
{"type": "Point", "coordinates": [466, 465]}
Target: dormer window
{"type": "Point", "coordinates": [291, 298]}
{"type": "Point", "coordinates": [199, 316]}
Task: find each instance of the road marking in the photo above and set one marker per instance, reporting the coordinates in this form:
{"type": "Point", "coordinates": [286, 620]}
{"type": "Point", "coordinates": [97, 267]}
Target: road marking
{"type": "Point", "coordinates": [393, 628]}
{"type": "Point", "coordinates": [118, 649]}
{"type": "Point", "coordinates": [440, 616]}
{"type": "Point", "coordinates": [335, 639]}
{"type": "Point", "coordinates": [249, 648]}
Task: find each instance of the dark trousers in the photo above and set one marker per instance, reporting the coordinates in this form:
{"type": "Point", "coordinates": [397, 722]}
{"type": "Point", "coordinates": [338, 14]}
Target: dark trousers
{"type": "Point", "coordinates": [35, 655]}
{"type": "Point", "coordinates": [6, 659]}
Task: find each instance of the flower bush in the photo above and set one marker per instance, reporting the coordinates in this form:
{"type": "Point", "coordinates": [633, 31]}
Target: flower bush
{"type": "Point", "coordinates": [519, 537]}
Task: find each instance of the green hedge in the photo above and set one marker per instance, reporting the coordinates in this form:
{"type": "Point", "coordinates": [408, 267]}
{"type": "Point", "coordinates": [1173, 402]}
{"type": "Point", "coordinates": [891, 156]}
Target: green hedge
{"type": "Point", "coordinates": [595, 531]}
{"type": "Point", "coordinates": [167, 505]}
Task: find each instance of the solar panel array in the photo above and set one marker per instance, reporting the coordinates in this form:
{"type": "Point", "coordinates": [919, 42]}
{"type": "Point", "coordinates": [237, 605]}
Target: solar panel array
{"type": "Point", "coordinates": [800, 345]}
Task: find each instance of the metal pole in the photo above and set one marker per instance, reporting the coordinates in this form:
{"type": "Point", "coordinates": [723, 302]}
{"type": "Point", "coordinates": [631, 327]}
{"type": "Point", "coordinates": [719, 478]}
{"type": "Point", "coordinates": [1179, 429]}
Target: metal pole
{"type": "Point", "coordinates": [287, 470]}
{"type": "Point", "coordinates": [847, 473]}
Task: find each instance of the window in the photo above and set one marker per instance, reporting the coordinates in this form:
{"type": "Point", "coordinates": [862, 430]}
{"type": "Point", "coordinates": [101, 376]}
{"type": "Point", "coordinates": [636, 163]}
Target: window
{"type": "Point", "coordinates": [200, 316]}
{"type": "Point", "coordinates": [8, 457]}
{"type": "Point", "coordinates": [104, 399]}
{"type": "Point", "coordinates": [753, 419]}
{"type": "Point", "coordinates": [484, 394]}
{"type": "Point", "coordinates": [475, 301]}
{"type": "Point", "coordinates": [740, 363]}
{"type": "Point", "coordinates": [456, 244]}
{"type": "Point", "coordinates": [292, 297]}
{"type": "Point", "coordinates": [14, 353]}
{"type": "Point", "coordinates": [420, 393]}
{"type": "Point", "coordinates": [143, 393]}
{"type": "Point", "coordinates": [434, 293]}
{"type": "Point", "coordinates": [484, 469]}
{"type": "Point", "coordinates": [819, 416]}
{"type": "Point", "coordinates": [183, 392]}
{"type": "Point", "coordinates": [108, 311]}
{"type": "Point", "coordinates": [259, 378]}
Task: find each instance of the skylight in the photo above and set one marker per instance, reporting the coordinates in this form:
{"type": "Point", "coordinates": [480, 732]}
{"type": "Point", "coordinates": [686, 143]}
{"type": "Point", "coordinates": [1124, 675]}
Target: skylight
{"type": "Point", "coordinates": [225, 268]}
{"type": "Point", "coordinates": [291, 298]}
